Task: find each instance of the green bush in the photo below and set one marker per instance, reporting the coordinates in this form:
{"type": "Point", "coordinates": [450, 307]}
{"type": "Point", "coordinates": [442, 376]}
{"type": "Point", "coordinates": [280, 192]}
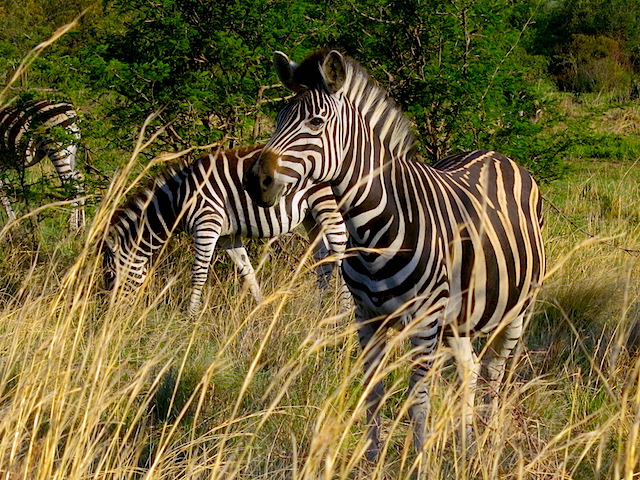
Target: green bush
{"type": "Point", "coordinates": [595, 64]}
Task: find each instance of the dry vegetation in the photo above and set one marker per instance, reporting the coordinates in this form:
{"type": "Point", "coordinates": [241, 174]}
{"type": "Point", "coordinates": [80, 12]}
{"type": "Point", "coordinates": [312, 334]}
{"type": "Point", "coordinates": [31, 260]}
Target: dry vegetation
{"type": "Point", "coordinates": [90, 387]}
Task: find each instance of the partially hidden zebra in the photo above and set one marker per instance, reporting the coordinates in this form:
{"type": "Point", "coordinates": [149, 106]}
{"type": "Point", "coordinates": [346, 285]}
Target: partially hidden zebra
{"type": "Point", "coordinates": [452, 250]}
{"type": "Point", "coordinates": [206, 199]}
{"type": "Point", "coordinates": [35, 129]}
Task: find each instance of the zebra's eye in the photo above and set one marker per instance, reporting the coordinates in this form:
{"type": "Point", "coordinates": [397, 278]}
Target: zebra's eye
{"type": "Point", "coordinates": [315, 123]}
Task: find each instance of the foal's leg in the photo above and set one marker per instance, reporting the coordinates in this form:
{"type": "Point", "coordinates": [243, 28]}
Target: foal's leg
{"type": "Point", "coordinates": [236, 250]}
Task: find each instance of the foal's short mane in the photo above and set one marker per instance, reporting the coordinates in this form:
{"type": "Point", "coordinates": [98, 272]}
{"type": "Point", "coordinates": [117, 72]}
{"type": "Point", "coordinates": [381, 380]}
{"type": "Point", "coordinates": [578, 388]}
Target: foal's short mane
{"type": "Point", "coordinates": [366, 95]}
{"type": "Point", "coordinates": [140, 195]}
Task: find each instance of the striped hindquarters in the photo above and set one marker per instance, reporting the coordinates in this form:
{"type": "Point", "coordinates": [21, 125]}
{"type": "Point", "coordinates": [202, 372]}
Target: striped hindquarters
{"type": "Point", "coordinates": [28, 131]}
{"type": "Point", "coordinates": [493, 224]}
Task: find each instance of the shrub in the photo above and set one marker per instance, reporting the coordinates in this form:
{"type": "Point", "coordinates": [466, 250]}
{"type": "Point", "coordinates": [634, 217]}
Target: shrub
{"type": "Point", "coordinates": [594, 64]}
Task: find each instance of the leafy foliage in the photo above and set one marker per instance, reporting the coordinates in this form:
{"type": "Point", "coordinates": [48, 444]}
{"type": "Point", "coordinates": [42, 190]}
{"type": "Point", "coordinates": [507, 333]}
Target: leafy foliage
{"type": "Point", "coordinates": [456, 67]}
{"type": "Point", "coordinates": [200, 64]}
{"type": "Point", "coordinates": [592, 45]}
{"type": "Point", "coordinates": [468, 73]}
{"type": "Point", "coordinates": [594, 64]}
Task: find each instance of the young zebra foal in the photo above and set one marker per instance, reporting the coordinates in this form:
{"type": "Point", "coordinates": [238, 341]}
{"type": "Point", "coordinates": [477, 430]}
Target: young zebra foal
{"type": "Point", "coordinates": [27, 135]}
{"type": "Point", "coordinates": [452, 250]}
{"type": "Point", "coordinates": [206, 200]}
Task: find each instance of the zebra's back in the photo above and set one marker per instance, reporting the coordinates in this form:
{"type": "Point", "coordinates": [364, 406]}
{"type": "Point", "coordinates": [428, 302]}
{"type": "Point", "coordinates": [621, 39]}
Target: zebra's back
{"type": "Point", "coordinates": [218, 178]}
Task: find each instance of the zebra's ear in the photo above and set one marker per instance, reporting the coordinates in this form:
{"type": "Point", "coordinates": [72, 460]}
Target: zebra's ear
{"type": "Point", "coordinates": [284, 69]}
{"type": "Point", "coordinates": [333, 70]}
{"type": "Point", "coordinates": [110, 242]}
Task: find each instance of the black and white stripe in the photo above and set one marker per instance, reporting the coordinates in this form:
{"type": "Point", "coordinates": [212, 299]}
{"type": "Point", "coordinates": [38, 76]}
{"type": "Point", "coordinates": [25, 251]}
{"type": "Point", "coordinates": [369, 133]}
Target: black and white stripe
{"type": "Point", "coordinates": [206, 199]}
{"type": "Point", "coordinates": [28, 134]}
{"type": "Point", "coordinates": [451, 250]}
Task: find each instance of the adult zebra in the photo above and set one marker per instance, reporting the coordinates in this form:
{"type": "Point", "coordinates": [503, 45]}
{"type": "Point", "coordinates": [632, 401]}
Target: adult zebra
{"type": "Point", "coordinates": [206, 199]}
{"type": "Point", "coordinates": [28, 134]}
{"type": "Point", "coordinates": [454, 249]}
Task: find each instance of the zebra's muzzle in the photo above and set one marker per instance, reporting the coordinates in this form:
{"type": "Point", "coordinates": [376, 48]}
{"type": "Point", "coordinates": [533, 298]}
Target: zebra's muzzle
{"type": "Point", "coordinates": [260, 183]}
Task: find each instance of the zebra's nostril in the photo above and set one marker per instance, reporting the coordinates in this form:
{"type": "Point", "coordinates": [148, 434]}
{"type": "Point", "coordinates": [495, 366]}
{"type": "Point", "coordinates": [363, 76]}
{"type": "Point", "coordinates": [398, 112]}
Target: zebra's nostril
{"type": "Point", "coordinates": [268, 180]}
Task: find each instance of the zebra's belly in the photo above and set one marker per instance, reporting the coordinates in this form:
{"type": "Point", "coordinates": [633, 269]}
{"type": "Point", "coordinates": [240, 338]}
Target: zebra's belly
{"type": "Point", "coordinates": [465, 308]}
{"type": "Point", "coordinates": [401, 295]}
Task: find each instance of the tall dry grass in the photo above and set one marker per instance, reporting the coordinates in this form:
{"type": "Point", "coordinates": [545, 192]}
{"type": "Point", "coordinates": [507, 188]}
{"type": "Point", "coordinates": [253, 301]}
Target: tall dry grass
{"type": "Point", "coordinates": [91, 387]}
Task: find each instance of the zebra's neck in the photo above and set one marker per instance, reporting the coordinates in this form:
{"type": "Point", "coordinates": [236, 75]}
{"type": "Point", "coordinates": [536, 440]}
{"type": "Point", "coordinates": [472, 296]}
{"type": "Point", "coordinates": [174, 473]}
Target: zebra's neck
{"type": "Point", "coordinates": [378, 147]}
{"type": "Point", "coordinates": [369, 184]}
{"type": "Point", "coordinates": [145, 224]}
{"type": "Point", "coordinates": [382, 115]}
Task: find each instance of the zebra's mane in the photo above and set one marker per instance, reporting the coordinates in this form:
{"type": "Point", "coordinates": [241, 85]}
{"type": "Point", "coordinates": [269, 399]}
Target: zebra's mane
{"type": "Point", "coordinates": [137, 200]}
{"type": "Point", "coordinates": [372, 100]}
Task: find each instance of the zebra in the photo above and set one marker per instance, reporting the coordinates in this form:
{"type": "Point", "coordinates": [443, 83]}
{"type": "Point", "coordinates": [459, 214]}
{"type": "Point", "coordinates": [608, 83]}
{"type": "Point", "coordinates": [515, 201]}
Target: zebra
{"type": "Point", "coordinates": [206, 200]}
{"type": "Point", "coordinates": [27, 135]}
{"type": "Point", "coordinates": [451, 250]}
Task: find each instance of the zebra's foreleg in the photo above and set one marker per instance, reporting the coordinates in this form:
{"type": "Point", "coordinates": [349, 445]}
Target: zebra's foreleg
{"type": "Point", "coordinates": [205, 238]}
{"type": "Point", "coordinates": [324, 272]}
{"type": "Point", "coordinates": [332, 242]}
{"type": "Point", "coordinates": [373, 347]}
{"type": "Point", "coordinates": [468, 370]}
{"type": "Point", "coordinates": [423, 342]}
{"type": "Point", "coordinates": [495, 360]}
{"type": "Point", "coordinates": [238, 254]}
{"type": "Point", "coordinates": [345, 300]}
{"type": "Point", "coordinates": [324, 269]}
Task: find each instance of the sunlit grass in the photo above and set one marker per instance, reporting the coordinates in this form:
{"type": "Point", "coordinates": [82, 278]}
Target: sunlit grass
{"type": "Point", "coordinates": [92, 387]}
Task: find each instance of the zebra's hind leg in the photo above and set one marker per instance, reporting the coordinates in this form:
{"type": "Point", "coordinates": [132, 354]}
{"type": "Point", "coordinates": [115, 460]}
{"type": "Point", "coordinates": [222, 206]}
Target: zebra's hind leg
{"type": "Point", "coordinates": [6, 203]}
{"type": "Point", "coordinates": [236, 250]}
{"type": "Point", "coordinates": [205, 237]}
{"type": "Point", "coordinates": [495, 359]}
{"type": "Point", "coordinates": [468, 370]}
{"type": "Point", "coordinates": [373, 347]}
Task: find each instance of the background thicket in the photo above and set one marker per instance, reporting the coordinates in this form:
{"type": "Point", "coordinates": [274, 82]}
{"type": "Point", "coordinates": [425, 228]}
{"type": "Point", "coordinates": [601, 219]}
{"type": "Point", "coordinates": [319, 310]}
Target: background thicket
{"type": "Point", "coordinates": [91, 388]}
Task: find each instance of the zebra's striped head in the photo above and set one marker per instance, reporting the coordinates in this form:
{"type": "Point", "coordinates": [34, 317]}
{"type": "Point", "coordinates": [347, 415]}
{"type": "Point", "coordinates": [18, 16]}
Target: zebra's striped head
{"type": "Point", "coordinates": [335, 114]}
{"type": "Point", "coordinates": [123, 267]}
{"type": "Point", "coordinates": [307, 128]}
